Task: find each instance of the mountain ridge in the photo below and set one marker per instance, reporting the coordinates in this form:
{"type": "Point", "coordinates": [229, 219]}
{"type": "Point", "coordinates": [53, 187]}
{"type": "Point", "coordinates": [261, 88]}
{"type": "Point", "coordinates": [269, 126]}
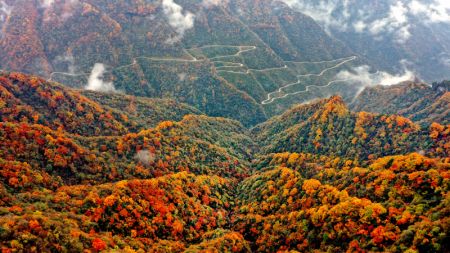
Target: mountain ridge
{"type": "Point", "coordinates": [144, 56]}
{"type": "Point", "coordinates": [224, 126]}
{"type": "Point", "coordinates": [197, 183]}
{"type": "Point", "coordinates": [413, 100]}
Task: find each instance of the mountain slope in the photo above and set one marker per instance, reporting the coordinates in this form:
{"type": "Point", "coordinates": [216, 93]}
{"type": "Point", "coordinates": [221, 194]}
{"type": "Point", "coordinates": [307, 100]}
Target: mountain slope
{"type": "Point", "coordinates": [31, 99]}
{"type": "Point", "coordinates": [392, 205]}
{"type": "Point", "coordinates": [392, 35]}
{"type": "Point", "coordinates": [207, 184]}
{"type": "Point", "coordinates": [152, 215]}
{"type": "Point", "coordinates": [283, 30]}
{"type": "Point", "coordinates": [327, 127]}
{"type": "Point", "coordinates": [66, 134]}
{"type": "Point", "coordinates": [144, 112]}
{"type": "Point", "coordinates": [419, 102]}
{"type": "Point", "coordinates": [220, 60]}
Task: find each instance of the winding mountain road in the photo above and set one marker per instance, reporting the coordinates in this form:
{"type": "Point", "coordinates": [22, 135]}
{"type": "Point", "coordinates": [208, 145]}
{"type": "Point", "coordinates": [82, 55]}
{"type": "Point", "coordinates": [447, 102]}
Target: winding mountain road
{"type": "Point", "coordinates": [305, 91]}
{"type": "Point", "coordinates": [135, 62]}
{"type": "Point", "coordinates": [271, 99]}
{"type": "Point", "coordinates": [241, 49]}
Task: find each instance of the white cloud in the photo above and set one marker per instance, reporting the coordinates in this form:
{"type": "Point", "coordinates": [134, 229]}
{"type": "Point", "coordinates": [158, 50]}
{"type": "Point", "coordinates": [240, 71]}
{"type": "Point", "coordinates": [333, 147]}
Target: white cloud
{"type": "Point", "coordinates": [5, 11]}
{"type": "Point", "coordinates": [47, 3]}
{"type": "Point", "coordinates": [209, 3]}
{"type": "Point", "coordinates": [392, 17]}
{"type": "Point", "coordinates": [68, 60]}
{"type": "Point", "coordinates": [61, 14]}
{"type": "Point", "coordinates": [321, 11]}
{"type": "Point", "coordinates": [359, 26]}
{"type": "Point", "coordinates": [145, 157]}
{"type": "Point", "coordinates": [177, 20]}
{"type": "Point", "coordinates": [362, 77]}
{"type": "Point", "coordinates": [438, 11]}
{"type": "Point", "coordinates": [182, 76]}
{"type": "Point", "coordinates": [5, 8]}
{"type": "Point", "coordinates": [445, 60]}
{"type": "Point", "coordinates": [395, 23]}
{"type": "Point", "coordinates": [96, 82]}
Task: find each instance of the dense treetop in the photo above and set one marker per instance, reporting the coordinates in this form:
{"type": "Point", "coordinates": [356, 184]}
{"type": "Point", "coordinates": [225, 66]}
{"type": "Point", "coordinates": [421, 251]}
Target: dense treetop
{"type": "Point", "coordinates": [104, 172]}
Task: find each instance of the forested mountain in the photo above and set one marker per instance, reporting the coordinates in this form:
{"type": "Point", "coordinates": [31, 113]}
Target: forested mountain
{"type": "Point", "coordinates": [34, 100]}
{"type": "Point", "coordinates": [242, 59]}
{"type": "Point", "coordinates": [328, 127]}
{"type": "Point", "coordinates": [420, 102]}
{"type": "Point", "coordinates": [90, 170]}
{"type": "Point", "coordinates": [224, 126]}
{"type": "Point", "coordinates": [215, 56]}
{"type": "Point", "coordinates": [391, 34]}
{"type": "Point", "coordinates": [389, 206]}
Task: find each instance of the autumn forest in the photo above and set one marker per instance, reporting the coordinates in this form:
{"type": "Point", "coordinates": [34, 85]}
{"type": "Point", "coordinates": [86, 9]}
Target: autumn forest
{"type": "Point", "coordinates": [79, 175]}
{"type": "Point", "coordinates": [223, 126]}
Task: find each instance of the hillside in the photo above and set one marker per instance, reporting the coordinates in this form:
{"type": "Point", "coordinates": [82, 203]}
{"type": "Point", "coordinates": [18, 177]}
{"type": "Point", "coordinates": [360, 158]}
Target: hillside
{"type": "Point", "coordinates": [219, 59]}
{"type": "Point", "coordinates": [185, 126]}
{"type": "Point", "coordinates": [420, 102]}
{"type": "Point", "coordinates": [391, 35]}
{"type": "Point", "coordinates": [392, 205]}
{"type": "Point", "coordinates": [68, 135]}
{"type": "Point", "coordinates": [109, 178]}
{"type": "Point", "coordinates": [246, 60]}
{"type": "Point", "coordinates": [172, 179]}
{"type": "Point", "coordinates": [31, 99]}
{"type": "Point", "coordinates": [328, 127]}
{"type": "Point", "coordinates": [143, 112]}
